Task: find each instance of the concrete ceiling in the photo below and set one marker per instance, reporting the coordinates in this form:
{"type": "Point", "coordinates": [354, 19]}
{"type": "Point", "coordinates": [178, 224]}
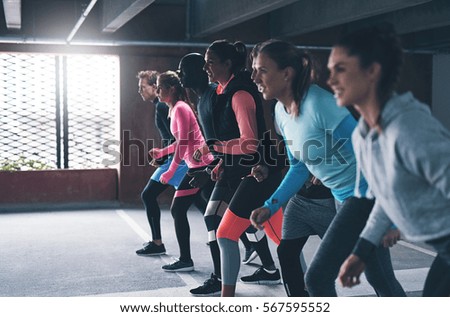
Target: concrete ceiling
{"type": "Point", "coordinates": [423, 24]}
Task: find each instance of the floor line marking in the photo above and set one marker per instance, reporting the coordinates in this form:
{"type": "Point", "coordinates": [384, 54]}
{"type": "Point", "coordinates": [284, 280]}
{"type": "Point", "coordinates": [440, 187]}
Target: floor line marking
{"type": "Point", "coordinates": [136, 228]}
{"type": "Point", "coordinates": [417, 248]}
{"type": "Point", "coordinates": [187, 279]}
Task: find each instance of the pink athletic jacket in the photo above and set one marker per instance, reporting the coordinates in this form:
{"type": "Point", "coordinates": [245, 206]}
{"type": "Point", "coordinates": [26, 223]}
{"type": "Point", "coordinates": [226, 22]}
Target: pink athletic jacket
{"type": "Point", "coordinates": [188, 138]}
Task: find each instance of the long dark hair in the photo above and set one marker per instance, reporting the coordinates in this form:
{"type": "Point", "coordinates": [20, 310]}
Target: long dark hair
{"type": "Point", "coordinates": [235, 52]}
{"type": "Point", "coordinates": [285, 54]}
{"type": "Point", "coordinates": [378, 44]}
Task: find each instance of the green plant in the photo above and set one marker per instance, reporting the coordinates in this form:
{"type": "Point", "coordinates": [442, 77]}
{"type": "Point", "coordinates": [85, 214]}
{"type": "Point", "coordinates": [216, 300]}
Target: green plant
{"type": "Point", "coordinates": [23, 164]}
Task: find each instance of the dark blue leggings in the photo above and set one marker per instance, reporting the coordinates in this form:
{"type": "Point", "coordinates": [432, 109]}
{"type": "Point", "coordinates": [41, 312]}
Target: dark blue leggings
{"type": "Point", "coordinates": [437, 283]}
{"type": "Point", "coordinates": [337, 245]}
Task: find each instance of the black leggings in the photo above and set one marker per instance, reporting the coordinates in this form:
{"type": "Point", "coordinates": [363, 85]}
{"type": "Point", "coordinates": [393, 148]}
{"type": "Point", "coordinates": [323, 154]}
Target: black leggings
{"type": "Point", "coordinates": [183, 199]}
{"type": "Point", "coordinates": [291, 269]}
{"type": "Point", "coordinates": [149, 197]}
{"type": "Point", "coordinates": [249, 196]}
{"type": "Point", "coordinates": [220, 198]}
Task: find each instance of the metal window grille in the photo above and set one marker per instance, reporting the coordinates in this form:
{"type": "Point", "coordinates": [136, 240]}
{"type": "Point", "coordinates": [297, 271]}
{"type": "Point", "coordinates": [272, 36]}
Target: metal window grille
{"type": "Point", "coordinates": [58, 109]}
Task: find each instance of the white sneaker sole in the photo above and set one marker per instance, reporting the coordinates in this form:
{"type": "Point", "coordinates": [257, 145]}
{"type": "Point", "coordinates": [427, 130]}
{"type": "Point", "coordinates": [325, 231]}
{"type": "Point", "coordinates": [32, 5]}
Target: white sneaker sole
{"type": "Point", "coordinates": [265, 282]}
{"type": "Point", "coordinates": [152, 254]}
{"type": "Point", "coordinates": [184, 269]}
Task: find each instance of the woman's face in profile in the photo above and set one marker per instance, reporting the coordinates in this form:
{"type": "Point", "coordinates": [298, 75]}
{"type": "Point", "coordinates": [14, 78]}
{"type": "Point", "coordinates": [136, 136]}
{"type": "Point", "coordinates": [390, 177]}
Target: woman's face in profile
{"type": "Point", "coordinates": [351, 84]}
{"type": "Point", "coordinates": [217, 70]}
{"type": "Point", "coordinates": [272, 82]}
{"type": "Point", "coordinates": [163, 91]}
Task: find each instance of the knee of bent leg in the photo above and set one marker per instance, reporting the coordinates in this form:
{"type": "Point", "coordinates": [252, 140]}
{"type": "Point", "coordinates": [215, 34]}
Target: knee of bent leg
{"type": "Point", "coordinates": [175, 210]}
{"type": "Point", "coordinates": [320, 283]}
{"type": "Point", "coordinates": [227, 232]}
{"type": "Point", "coordinates": [148, 194]}
{"type": "Point", "coordinates": [231, 227]}
{"type": "Point", "coordinates": [145, 195]}
{"type": "Point", "coordinates": [313, 278]}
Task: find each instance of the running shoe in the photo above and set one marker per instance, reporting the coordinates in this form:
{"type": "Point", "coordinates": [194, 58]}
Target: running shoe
{"type": "Point", "coordinates": [263, 277]}
{"type": "Point", "coordinates": [151, 249]}
{"type": "Point", "coordinates": [179, 266]}
{"type": "Point", "coordinates": [210, 287]}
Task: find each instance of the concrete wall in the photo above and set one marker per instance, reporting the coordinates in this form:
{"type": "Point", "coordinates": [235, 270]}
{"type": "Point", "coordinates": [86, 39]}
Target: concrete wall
{"type": "Point", "coordinates": [58, 187]}
{"type": "Point", "coordinates": [441, 88]}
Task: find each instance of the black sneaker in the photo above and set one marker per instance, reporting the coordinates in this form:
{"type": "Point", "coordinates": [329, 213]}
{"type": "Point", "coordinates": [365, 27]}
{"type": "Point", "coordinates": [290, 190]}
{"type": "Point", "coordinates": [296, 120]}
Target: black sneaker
{"type": "Point", "coordinates": [179, 266]}
{"type": "Point", "coordinates": [261, 276]}
{"type": "Point", "coordinates": [210, 287]}
{"type": "Point", "coordinates": [151, 249]}
{"type": "Point", "coordinates": [250, 255]}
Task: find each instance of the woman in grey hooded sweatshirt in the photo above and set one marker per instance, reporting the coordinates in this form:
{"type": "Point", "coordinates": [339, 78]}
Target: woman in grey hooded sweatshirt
{"type": "Point", "coordinates": [403, 152]}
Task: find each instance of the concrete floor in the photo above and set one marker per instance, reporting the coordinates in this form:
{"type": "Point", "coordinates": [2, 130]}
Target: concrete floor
{"type": "Point", "coordinates": [92, 253]}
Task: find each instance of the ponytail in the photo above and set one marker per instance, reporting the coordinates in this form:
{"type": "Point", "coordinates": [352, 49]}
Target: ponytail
{"type": "Point", "coordinates": [303, 79]}
{"type": "Point", "coordinates": [236, 53]}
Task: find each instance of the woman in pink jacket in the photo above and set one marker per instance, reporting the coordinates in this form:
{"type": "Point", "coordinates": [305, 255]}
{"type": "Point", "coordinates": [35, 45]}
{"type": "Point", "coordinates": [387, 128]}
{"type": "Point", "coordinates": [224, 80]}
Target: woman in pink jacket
{"type": "Point", "coordinates": [188, 137]}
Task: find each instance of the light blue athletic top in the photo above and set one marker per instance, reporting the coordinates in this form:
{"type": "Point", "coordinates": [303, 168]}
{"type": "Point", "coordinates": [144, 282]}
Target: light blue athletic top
{"type": "Point", "coordinates": [318, 140]}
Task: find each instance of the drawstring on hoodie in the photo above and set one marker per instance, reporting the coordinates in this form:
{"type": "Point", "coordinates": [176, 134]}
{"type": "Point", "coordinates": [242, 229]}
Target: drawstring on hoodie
{"type": "Point", "coordinates": [368, 194]}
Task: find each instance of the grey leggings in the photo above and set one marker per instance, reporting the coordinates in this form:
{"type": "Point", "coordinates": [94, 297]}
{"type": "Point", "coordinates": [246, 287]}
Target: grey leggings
{"type": "Point", "coordinates": [337, 245]}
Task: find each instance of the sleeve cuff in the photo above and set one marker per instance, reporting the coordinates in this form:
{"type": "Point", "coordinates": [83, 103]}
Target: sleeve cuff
{"type": "Point", "coordinates": [272, 205]}
{"type": "Point", "coordinates": [363, 249]}
{"type": "Point", "coordinates": [166, 177]}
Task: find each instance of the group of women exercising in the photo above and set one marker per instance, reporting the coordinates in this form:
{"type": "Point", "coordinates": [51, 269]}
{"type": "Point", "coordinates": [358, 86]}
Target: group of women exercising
{"type": "Point", "coordinates": [386, 174]}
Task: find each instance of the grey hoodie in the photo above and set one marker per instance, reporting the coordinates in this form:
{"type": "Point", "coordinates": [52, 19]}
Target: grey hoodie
{"type": "Point", "coordinates": [407, 168]}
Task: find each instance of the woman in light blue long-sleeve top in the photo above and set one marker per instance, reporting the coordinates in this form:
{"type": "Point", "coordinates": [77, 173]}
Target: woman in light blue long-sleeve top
{"type": "Point", "coordinates": [317, 134]}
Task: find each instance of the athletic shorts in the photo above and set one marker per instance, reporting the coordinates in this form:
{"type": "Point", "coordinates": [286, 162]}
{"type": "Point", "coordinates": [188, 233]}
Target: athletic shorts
{"type": "Point", "coordinates": [177, 177]}
{"type": "Point", "coordinates": [305, 217]}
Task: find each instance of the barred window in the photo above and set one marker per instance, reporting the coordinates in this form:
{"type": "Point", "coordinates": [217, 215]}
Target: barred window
{"type": "Point", "coordinates": [56, 109]}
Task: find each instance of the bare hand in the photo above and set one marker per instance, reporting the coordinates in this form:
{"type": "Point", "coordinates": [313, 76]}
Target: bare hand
{"type": "Point", "coordinates": [391, 237]}
{"type": "Point", "coordinates": [315, 181]}
{"type": "Point", "coordinates": [199, 178]}
{"type": "Point", "coordinates": [154, 163]}
{"type": "Point", "coordinates": [259, 216]}
{"type": "Point", "coordinates": [217, 171]}
{"type": "Point", "coordinates": [200, 152]}
{"type": "Point", "coordinates": [154, 153]}
{"type": "Point", "coordinates": [260, 172]}
{"type": "Point", "coordinates": [350, 271]}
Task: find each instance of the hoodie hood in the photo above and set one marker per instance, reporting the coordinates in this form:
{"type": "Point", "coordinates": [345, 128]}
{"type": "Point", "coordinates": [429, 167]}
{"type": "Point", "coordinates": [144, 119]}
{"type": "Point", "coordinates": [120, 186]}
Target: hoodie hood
{"type": "Point", "coordinates": [398, 105]}
{"type": "Point", "coordinates": [407, 168]}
